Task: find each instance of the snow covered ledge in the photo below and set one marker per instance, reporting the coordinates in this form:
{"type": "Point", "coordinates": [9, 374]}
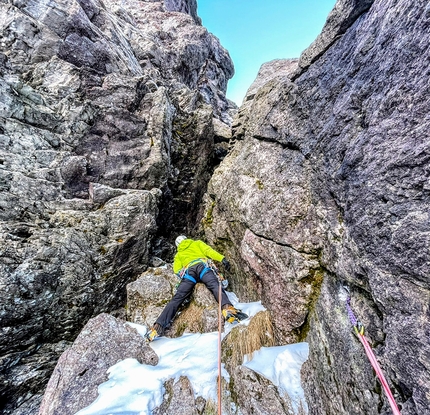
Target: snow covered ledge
{"type": "Point", "coordinates": [269, 379]}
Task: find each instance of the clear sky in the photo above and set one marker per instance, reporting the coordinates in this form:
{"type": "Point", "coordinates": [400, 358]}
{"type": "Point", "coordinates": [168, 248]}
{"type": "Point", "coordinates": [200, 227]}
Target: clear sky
{"type": "Point", "coordinates": [257, 31]}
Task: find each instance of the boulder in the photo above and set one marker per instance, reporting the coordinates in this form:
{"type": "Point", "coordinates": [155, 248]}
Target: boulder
{"type": "Point", "coordinates": [103, 342]}
{"type": "Point", "coordinates": [178, 398]}
{"type": "Point", "coordinates": [272, 71]}
{"type": "Point", "coordinates": [147, 296]}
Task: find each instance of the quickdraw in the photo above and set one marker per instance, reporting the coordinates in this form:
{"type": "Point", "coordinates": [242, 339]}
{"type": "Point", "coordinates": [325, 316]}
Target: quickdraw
{"type": "Point", "coordinates": [359, 330]}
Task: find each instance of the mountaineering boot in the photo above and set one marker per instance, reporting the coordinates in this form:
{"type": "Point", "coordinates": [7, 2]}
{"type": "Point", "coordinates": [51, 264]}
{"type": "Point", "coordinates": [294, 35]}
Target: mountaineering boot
{"type": "Point", "coordinates": [232, 314]}
{"type": "Point", "coordinates": [151, 335]}
{"type": "Point", "coordinates": [155, 331]}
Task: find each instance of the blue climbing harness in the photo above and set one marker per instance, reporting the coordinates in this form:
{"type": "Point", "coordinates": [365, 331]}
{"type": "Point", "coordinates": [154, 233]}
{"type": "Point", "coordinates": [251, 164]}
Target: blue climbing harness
{"type": "Point", "coordinates": [184, 271]}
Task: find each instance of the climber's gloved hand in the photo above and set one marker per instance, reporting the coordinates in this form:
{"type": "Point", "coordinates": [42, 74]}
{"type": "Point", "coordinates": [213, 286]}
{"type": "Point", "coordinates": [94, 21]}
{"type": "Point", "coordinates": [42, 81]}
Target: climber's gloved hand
{"type": "Point", "coordinates": [226, 264]}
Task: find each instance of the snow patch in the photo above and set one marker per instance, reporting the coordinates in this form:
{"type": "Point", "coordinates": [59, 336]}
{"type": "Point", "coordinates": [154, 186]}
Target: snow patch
{"type": "Point", "coordinates": [281, 365]}
{"type": "Point", "coordinates": [137, 389]}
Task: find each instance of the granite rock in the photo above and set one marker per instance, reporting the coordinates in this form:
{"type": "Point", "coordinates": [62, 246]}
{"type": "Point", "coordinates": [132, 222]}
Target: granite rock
{"type": "Point", "coordinates": [103, 342]}
{"type": "Point", "coordinates": [184, 6]}
{"type": "Point", "coordinates": [57, 274]}
{"type": "Point", "coordinates": [257, 395]}
{"type": "Point", "coordinates": [328, 186]}
{"type": "Point", "coordinates": [106, 146]}
{"type": "Point", "coordinates": [178, 398]}
{"type": "Point", "coordinates": [343, 15]}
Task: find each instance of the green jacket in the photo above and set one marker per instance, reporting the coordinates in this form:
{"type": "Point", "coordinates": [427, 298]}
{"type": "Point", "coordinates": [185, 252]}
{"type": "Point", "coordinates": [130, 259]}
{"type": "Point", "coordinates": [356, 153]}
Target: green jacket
{"type": "Point", "coordinates": [190, 250]}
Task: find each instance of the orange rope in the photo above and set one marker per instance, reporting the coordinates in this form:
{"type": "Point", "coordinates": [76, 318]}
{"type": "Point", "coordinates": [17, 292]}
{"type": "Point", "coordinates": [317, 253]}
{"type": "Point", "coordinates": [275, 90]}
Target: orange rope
{"type": "Point", "coordinates": [219, 348]}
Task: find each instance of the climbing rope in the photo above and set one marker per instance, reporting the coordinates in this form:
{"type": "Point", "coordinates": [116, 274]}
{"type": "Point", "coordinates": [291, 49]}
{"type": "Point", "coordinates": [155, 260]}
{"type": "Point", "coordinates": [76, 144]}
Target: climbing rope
{"type": "Point", "coordinates": [359, 330]}
{"type": "Point", "coordinates": [221, 283]}
{"type": "Point", "coordinates": [219, 345]}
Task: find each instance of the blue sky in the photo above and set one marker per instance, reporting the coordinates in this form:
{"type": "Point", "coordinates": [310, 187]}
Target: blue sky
{"type": "Point", "coordinates": [257, 31]}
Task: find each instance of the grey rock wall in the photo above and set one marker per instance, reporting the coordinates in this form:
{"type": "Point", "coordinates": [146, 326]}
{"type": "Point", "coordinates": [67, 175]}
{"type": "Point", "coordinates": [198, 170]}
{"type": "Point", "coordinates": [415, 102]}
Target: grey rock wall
{"type": "Point", "coordinates": [109, 113]}
{"type": "Point", "coordinates": [107, 116]}
{"type": "Point", "coordinates": [338, 21]}
{"type": "Point", "coordinates": [184, 6]}
{"type": "Point", "coordinates": [328, 185]}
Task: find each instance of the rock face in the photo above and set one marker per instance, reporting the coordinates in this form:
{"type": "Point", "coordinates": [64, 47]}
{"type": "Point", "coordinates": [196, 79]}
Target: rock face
{"type": "Point", "coordinates": [257, 395]}
{"type": "Point", "coordinates": [103, 342]}
{"type": "Point", "coordinates": [328, 185]}
{"type": "Point", "coordinates": [107, 116]}
{"type": "Point", "coordinates": [338, 21]}
{"type": "Point", "coordinates": [178, 399]}
{"type": "Point", "coordinates": [274, 71]}
{"type": "Point", "coordinates": [55, 275]}
{"type": "Point", "coordinates": [112, 116]}
{"type": "Point", "coordinates": [185, 6]}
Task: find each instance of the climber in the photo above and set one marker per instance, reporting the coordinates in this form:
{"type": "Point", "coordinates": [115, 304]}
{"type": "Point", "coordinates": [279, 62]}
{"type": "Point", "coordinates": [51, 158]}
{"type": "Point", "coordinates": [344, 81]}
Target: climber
{"type": "Point", "coordinates": [191, 266]}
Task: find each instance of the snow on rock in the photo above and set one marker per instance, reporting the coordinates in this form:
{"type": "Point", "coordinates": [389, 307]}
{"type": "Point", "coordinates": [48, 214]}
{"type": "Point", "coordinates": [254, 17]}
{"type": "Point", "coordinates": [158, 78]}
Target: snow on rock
{"type": "Point", "coordinates": [135, 388]}
{"type": "Point", "coordinates": [103, 342]}
{"type": "Point", "coordinates": [138, 389]}
{"type": "Point", "coordinates": [281, 365]}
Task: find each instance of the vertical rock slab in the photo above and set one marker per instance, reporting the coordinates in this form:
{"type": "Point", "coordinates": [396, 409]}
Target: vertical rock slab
{"type": "Point", "coordinates": [269, 209]}
{"type": "Point", "coordinates": [343, 15]}
{"type": "Point", "coordinates": [99, 102]}
{"type": "Point", "coordinates": [333, 166]}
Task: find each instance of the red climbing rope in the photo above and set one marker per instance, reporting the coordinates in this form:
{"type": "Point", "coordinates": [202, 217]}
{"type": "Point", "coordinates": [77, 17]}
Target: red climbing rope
{"type": "Point", "coordinates": [219, 346]}
{"type": "Point", "coordinates": [359, 329]}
